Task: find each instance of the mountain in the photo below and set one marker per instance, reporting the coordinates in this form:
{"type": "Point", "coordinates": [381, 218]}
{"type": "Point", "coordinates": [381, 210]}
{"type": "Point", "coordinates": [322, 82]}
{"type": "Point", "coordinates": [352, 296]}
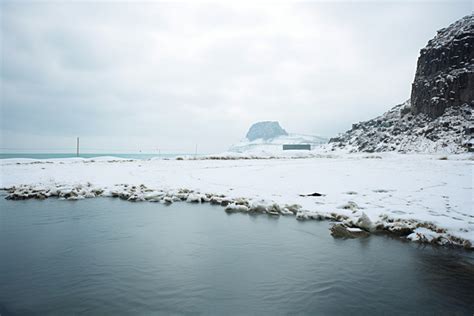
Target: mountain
{"type": "Point", "coordinates": [439, 116]}
{"type": "Point", "coordinates": [269, 137]}
{"type": "Point", "coordinates": [265, 130]}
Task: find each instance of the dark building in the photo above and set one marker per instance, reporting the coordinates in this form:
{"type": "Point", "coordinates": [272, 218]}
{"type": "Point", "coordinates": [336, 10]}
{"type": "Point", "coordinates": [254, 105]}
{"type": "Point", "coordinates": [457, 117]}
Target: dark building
{"type": "Point", "coordinates": [297, 147]}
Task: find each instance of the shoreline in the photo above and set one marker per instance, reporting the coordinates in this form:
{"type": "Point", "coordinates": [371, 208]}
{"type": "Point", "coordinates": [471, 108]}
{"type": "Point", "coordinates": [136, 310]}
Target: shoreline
{"type": "Point", "coordinates": [411, 230]}
{"type": "Point", "coordinates": [419, 197]}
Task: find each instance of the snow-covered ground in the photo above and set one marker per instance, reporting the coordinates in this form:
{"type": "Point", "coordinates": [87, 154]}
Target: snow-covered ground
{"type": "Point", "coordinates": [274, 145]}
{"type": "Point", "coordinates": [392, 189]}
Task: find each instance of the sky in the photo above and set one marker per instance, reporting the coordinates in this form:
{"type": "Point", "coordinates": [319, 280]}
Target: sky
{"type": "Point", "coordinates": [170, 76]}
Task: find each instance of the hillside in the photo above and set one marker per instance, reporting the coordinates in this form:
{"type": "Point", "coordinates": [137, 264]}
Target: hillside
{"type": "Point", "coordinates": [439, 116]}
{"type": "Point", "coordinates": [402, 131]}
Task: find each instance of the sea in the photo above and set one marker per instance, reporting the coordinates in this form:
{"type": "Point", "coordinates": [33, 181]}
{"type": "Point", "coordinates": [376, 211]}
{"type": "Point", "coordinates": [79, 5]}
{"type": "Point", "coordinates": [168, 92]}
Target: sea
{"type": "Point", "coordinates": [92, 155]}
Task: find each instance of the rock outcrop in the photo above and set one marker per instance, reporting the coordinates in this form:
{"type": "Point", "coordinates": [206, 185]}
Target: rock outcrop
{"type": "Point", "coordinates": [445, 71]}
{"type": "Point", "coordinates": [439, 116]}
{"type": "Point", "coordinates": [342, 231]}
{"type": "Point", "coordinates": [265, 130]}
{"type": "Point", "coordinates": [402, 131]}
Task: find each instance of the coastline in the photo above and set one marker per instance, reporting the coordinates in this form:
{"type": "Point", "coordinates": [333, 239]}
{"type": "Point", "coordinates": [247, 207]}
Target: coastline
{"type": "Point", "coordinates": [424, 197]}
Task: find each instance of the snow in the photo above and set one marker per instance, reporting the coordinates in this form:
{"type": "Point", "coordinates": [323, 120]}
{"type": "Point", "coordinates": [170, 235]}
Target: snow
{"type": "Point", "coordinates": [394, 190]}
{"type": "Point", "coordinates": [354, 229]}
{"type": "Point", "coordinates": [422, 233]}
{"type": "Point", "coordinates": [273, 146]}
{"type": "Point", "coordinates": [452, 32]}
{"type": "Point", "coordinates": [399, 130]}
{"type": "Point", "coordinates": [236, 208]}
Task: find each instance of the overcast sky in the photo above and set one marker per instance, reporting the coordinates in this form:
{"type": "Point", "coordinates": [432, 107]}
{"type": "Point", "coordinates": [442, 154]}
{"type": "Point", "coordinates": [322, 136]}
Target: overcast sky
{"type": "Point", "coordinates": [142, 76]}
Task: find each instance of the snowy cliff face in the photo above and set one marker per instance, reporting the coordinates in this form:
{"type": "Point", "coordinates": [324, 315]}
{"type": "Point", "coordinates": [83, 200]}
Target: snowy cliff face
{"type": "Point", "coordinates": [265, 130]}
{"type": "Point", "coordinates": [445, 71]}
{"type": "Point", "coordinates": [401, 130]}
{"type": "Point", "coordinates": [439, 117]}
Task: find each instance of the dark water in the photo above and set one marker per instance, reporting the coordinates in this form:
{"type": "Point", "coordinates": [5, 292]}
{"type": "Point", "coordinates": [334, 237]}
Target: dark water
{"type": "Point", "coordinates": [105, 256]}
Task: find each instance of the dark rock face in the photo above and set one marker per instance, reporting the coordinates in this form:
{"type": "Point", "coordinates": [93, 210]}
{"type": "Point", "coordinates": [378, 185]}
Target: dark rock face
{"type": "Point", "coordinates": [439, 116]}
{"type": "Point", "coordinates": [445, 71]}
{"type": "Point", "coordinates": [265, 130]}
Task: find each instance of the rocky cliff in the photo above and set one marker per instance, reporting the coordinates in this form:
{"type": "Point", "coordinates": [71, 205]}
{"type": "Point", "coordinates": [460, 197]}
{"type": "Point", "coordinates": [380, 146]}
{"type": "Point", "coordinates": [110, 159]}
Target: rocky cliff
{"type": "Point", "coordinates": [439, 116]}
{"type": "Point", "coordinates": [402, 131]}
{"type": "Point", "coordinates": [265, 130]}
{"type": "Point", "coordinates": [445, 71]}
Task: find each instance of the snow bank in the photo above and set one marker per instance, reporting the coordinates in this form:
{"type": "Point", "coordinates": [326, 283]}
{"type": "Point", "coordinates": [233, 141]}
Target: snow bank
{"type": "Point", "coordinates": [397, 193]}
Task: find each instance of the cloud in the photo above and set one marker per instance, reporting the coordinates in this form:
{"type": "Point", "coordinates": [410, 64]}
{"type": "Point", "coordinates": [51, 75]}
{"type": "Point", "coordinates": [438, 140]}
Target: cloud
{"type": "Point", "coordinates": [141, 76]}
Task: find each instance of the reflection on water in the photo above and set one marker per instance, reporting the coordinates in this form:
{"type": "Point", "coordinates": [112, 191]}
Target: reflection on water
{"type": "Point", "coordinates": [108, 256]}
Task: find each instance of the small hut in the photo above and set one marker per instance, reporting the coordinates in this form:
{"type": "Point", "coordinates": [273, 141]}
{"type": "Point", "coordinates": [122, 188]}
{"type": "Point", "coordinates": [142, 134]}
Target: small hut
{"type": "Point", "coordinates": [296, 146]}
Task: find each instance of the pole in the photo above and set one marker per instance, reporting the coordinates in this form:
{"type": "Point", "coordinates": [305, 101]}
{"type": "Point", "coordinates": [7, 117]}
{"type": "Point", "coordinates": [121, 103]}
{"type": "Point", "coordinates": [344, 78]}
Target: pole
{"type": "Point", "coordinates": [77, 147]}
{"type": "Point", "coordinates": [196, 151]}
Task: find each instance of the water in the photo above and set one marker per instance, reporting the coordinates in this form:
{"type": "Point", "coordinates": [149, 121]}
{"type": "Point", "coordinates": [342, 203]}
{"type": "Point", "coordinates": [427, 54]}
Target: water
{"type": "Point", "coordinates": [92, 155]}
{"type": "Point", "coordinates": [107, 256]}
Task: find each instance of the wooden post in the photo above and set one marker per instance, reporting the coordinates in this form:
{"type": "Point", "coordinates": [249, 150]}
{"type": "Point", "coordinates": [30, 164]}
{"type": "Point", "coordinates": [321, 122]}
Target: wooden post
{"type": "Point", "coordinates": [77, 147]}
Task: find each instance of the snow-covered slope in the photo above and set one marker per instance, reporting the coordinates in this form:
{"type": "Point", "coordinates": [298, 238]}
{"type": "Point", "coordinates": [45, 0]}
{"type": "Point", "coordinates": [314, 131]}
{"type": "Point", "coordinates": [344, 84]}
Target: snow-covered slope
{"type": "Point", "coordinates": [266, 139]}
{"type": "Point", "coordinates": [400, 130]}
{"type": "Point", "coordinates": [274, 146]}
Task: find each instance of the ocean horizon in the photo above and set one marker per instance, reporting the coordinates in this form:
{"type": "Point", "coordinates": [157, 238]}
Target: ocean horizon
{"type": "Point", "coordinates": [91, 155]}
